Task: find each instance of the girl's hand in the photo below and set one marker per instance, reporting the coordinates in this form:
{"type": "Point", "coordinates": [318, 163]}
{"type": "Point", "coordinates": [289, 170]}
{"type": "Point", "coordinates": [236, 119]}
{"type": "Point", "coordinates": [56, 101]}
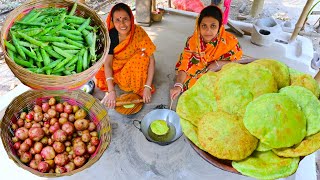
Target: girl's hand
{"type": "Point", "coordinates": [147, 95]}
{"type": "Point", "coordinates": [110, 99]}
{"type": "Point", "coordinates": [175, 92]}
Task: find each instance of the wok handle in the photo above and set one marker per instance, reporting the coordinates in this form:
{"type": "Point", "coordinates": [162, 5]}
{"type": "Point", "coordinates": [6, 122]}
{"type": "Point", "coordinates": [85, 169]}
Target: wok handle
{"type": "Point", "coordinates": [121, 103]}
{"type": "Point", "coordinates": [134, 122]}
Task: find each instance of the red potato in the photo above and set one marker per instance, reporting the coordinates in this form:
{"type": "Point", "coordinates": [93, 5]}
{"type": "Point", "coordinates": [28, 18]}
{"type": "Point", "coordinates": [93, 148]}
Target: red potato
{"type": "Point", "coordinates": [81, 124]}
{"type": "Point", "coordinates": [58, 147]}
{"type": "Point", "coordinates": [23, 115]}
{"type": "Point", "coordinates": [53, 121]}
{"type": "Point", "coordinates": [60, 170]}
{"type": "Point", "coordinates": [59, 107]}
{"type": "Point", "coordinates": [51, 163]}
{"type": "Point", "coordinates": [79, 161]}
{"type": "Point", "coordinates": [37, 108]}
{"type": "Point", "coordinates": [36, 133]}
{"type": "Point", "coordinates": [52, 113]}
{"type": "Point", "coordinates": [38, 116]}
{"type": "Point", "coordinates": [70, 166]}
{"type": "Point", "coordinates": [38, 157]}
{"type": "Point", "coordinates": [36, 125]}
{"type": "Point", "coordinates": [28, 125]}
{"type": "Point", "coordinates": [60, 136]}
{"type": "Point", "coordinates": [46, 117]}
{"type": "Point", "coordinates": [28, 141]}
{"type": "Point", "coordinates": [37, 147]}
{"type": "Point", "coordinates": [91, 149]}
{"type": "Point", "coordinates": [71, 118]}
{"type": "Point", "coordinates": [92, 126]}
{"type": "Point", "coordinates": [43, 167]}
{"type": "Point", "coordinates": [80, 114]}
{"type": "Point", "coordinates": [16, 145]}
{"type": "Point", "coordinates": [32, 151]}
{"type": "Point", "coordinates": [63, 120]}
{"type": "Point", "coordinates": [94, 133]}
{"type": "Point", "coordinates": [34, 164]}
{"type": "Point", "coordinates": [54, 128]}
{"type": "Point", "coordinates": [24, 147]}
{"type": "Point", "coordinates": [20, 122]}
{"type": "Point", "coordinates": [25, 157]}
{"type": "Point", "coordinates": [44, 140]}
{"type": "Point", "coordinates": [50, 141]}
{"type": "Point", "coordinates": [68, 127]}
{"type": "Point", "coordinates": [64, 115]}
{"type": "Point", "coordinates": [22, 133]}
{"type": "Point", "coordinates": [30, 115]}
{"type": "Point", "coordinates": [95, 141]}
{"type": "Point", "coordinates": [67, 143]}
{"type": "Point", "coordinates": [79, 148]}
{"type": "Point", "coordinates": [52, 101]}
{"type": "Point", "coordinates": [15, 139]}
{"type": "Point", "coordinates": [46, 131]}
{"type": "Point", "coordinates": [86, 137]}
{"type": "Point", "coordinates": [46, 124]}
{"type": "Point", "coordinates": [48, 153]}
{"type": "Point", "coordinates": [61, 159]}
{"type": "Point", "coordinates": [68, 109]}
{"type": "Point", "coordinates": [75, 108]}
{"type": "Point", "coordinates": [45, 107]}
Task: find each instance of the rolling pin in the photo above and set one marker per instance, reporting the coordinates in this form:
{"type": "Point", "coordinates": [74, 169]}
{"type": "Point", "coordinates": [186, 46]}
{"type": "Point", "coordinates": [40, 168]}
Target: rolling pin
{"type": "Point", "coordinates": [136, 101]}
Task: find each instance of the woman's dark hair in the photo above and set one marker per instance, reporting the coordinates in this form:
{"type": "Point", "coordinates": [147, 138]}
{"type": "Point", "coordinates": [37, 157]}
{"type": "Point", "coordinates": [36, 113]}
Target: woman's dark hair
{"type": "Point", "coordinates": [211, 11]}
{"type": "Point", "coordinates": [121, 6]}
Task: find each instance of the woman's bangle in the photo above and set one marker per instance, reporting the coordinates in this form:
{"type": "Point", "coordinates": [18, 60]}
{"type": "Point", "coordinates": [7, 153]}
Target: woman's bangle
{"type": "Point", "coordinates": [180, 85]}
{"type": "Point", "coordinates": [111, 91]}
{"type": "Point", "coordinates": [109, 78]}
{"type": "Point", "coordinates": [147, 86]}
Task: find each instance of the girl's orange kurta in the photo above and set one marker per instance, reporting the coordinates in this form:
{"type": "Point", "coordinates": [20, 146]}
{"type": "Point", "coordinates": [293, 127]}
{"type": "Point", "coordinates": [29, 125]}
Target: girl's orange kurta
{"type": "Point", "coordinates": [130, 60]}
{"type": "Point", "coordinates": [198, 55]}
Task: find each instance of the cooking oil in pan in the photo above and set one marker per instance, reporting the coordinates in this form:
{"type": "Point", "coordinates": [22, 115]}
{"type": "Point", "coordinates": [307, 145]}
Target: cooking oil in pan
{"type": "Point", "coordinates": [163, 138]}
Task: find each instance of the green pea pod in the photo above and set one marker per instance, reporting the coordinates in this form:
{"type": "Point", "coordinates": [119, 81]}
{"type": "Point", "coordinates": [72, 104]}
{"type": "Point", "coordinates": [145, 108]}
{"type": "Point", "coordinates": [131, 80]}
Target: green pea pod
{"type": "Point", "coordinates": [56, 29]}
{"type": "Point", "coordinates": [31, 20]}
{"type": "Point", "coordinates": [92, 48]}
{"type": "Point", "coordinates": [51, 65]}
{"type": "Point", "coordinates": [52, 53]}
{"type": "Point", "coordinates": [63, 16]}
{"type": "Point", "coordinates": [39, 57]}
{"type": "Point", "coordinates": [51, 39]}
{"type": "Point", "coordinates": [73, 9]}
{"type": "Point", "coordinates": [79, 64]}
{"type": "Point", "coordinates": [65, 46]}
{"type": "Point", "coordinates": [71, 42]}
{"type": "Point", "coordinates": [71, 68]}
{"type": "Point", "coordinates": [33, 32]}
{"type": "Point", "coordinates": [10, 46]}
{"type": "Point", "coordinates": [84, 25]}
{"type": "Point", "coordinates": [72, 51]}
{"type": "Point", "coordinates": [54, 23]}
{"type": "Point", "coordinates": [26, 44]}
{"type": "Point", "coordinates": [85, 60]}
{"type": "Point", "coordinates": [74, 32]}
{"type": "Point", "coordinates": [17, 46]}
{"type": "Point", "coordinates": [31, 23]}
{"type": "Point", "coordinates": [67, 72]}
{"type": "Point", "coordinates": [45, 57]}
{"type": "Point", "coordinates": [45, 31]}
{"type": "Point", "coordinates": [11, 54]}
{"type": "Point", "coordinates": [89, 39]}
{"type": "Point", "coordinates": [39, 64]}
{"type": "Point", "coordinates": [85, 32]}
{"type": "Point", "coordinates": [71, 36]}
{"type": "Point", "coordinates": [62, 53]}
{"type": "Point", "coordinates": [29, 15]}
{"type": "Point", "coordinates": [36, 70]}
{"type": "Point", "coordinates": [59, 70]}
{"type": "Point", "coordinates": [64, 62]}
{"type": "Point", "coordinates": [29, 53]}
{"type": "Point", "coordinates": [23, 63]}
{"type": "Point", "coordinates": [31, 40]}
{"type": "Point", "coordinates": [40, 19]}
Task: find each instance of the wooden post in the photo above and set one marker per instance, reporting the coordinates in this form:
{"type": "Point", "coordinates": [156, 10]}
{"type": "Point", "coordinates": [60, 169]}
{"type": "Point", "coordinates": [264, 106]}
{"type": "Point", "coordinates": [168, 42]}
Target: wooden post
{"type": "Point", "coordinates": [169, 3]}
{"type": "Point", "coordinates": [256, 8]}
{"type": "Point", "coordinates": [301, 20]}
{"type": "Point", "coordinates": [153, 6]}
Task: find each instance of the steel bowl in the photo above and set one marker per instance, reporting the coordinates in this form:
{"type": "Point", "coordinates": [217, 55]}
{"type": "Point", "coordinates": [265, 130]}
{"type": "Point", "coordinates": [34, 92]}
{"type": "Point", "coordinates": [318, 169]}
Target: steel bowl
{"type": "Point", "coordinates": [171, 116]}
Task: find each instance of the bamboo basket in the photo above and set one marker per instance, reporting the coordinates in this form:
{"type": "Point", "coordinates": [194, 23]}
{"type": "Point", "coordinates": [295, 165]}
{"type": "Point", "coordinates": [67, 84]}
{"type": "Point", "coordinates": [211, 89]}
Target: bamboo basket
{"type": "Point", "coordinates": [51, 82]}
{"type": "Point", "coordinates": [96, 113]}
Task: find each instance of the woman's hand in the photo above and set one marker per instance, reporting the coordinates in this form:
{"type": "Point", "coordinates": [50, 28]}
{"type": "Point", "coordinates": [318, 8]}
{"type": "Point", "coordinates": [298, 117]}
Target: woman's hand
{"type": "Point", "coordinates": [175, 92]}
{"type": "Point", "coordinates": [146, 95]}
{"type": "Point", "coordinates": [213, 67]}
{"type": "Point", "coordinates": [110, 99]}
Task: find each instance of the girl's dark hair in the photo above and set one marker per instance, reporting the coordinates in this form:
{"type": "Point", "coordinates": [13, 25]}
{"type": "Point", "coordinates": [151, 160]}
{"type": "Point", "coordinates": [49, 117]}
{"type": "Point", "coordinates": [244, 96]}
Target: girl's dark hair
{"type": "Point", "coordinates": [121, 6]}
{"type": "Point", "coordinates": [211, 11]}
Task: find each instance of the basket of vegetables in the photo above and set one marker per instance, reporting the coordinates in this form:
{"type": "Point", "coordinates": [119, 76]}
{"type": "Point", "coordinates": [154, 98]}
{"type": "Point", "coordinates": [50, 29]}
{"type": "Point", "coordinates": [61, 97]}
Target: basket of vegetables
{"type": "Point", "coordinates": [54, 44]}
{"type": "Point", "coordinates": [55, 133]}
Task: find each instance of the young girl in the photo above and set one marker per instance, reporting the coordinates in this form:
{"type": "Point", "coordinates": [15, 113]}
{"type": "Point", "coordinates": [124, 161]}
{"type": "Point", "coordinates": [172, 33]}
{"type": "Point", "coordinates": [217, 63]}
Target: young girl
{"type": "Point", "coordinates": [208, 48]}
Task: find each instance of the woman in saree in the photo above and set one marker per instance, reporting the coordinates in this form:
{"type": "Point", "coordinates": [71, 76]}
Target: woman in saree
{"type": "Point", "coordinates": [207, 49]}
{"type": "Point", "coordinates": [130, 62]}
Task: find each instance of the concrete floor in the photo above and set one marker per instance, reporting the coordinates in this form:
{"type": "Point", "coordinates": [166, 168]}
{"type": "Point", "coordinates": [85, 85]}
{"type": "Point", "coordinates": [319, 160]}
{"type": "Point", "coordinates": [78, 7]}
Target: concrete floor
{"type": "Point", "coordinates": [130, 155]}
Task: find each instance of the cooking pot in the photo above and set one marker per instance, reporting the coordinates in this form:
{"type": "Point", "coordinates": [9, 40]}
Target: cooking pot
{"type": "Point", "coordinates": [159, 114]}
